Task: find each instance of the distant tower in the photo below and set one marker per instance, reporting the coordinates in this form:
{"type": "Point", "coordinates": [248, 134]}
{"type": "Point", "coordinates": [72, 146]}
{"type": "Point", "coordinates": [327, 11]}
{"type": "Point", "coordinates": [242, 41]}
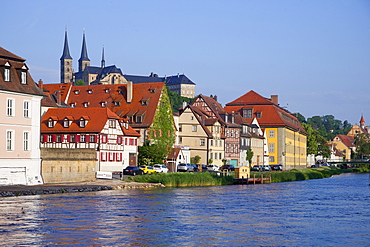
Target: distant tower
{"type": "Point", "coordinates": [66, 63]}
{"type": "Point", "coordinates": [362, 122]}
{"type": "Point", "coordinates": [84, 61]}
{"type": "Point", "coordinates": [102, 60]}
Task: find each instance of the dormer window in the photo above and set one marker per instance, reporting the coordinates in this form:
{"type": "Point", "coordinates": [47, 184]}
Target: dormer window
{"type": "Point", "coordinates": [50, 123]}
{"type": "Point", "coordinates": [258, 114]}
{"type": "Point", "coordinates": [76, 92]}
{"type": "Point", "coordinates": [73, 105]}
{"type": "Point", "coordinates": [66, 123]}
{"type": "Point", "coordinates": [85, 104]}
{"type": "Point", "coordinates": [103, 104]}
{"type": "Point", "coordinates": [116, 103]}
{"type": "Point", "coordinates": [106, 90]}
{"type": "Point", "coordinates": [152, 90]}
{"type": "Point", "coordinates": [7, 72]}
{"type": "Point", "coordinates": [82, 123]}
{"type": "Point", "coordinates": [89, 91]}
{"type": "Point", "coordinates": [144, 101]}
{"type": "Point", "coordinates": [24, 75]}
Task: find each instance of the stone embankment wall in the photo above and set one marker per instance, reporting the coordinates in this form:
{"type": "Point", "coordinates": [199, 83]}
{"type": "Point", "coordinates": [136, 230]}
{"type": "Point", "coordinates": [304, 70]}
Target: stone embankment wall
{"type": "Point", "coordinates": [62, 165]}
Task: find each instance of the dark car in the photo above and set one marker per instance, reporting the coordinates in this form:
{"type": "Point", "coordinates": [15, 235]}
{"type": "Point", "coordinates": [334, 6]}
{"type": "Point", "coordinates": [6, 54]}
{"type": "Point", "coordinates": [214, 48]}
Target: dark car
{"type": "Point", "coordinates": [133, 170]}
{"type": "Point", "coordinates": [227, 168]}
{"type": "Point", "coordinates": [196, 168]}
{"type": "Point", "coordinates": [276, 167]}
{"type": "Point", "coordinates": [257, 168]}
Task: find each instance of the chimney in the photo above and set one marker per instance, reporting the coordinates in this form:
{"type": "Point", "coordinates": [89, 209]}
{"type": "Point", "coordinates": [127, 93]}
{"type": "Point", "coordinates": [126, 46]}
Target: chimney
{"type": "Point", "coordinates": [275, 99]}
{"type": "Point", "coordinates": [232, 117]}
{"type": "Point", "coordinates": [215, 98]}
{"type": "Point", "coordinates": [58, 97]}
{"type": "Point", "coordinates": [129, 92]}
{"type": "Point", "coordinates": [41, 84]}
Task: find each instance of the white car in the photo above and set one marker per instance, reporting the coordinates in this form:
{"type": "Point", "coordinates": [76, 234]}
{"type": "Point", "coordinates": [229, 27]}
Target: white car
{"type": "Point", "coordinates": [160, 168]}
{"type": "Point", "coordinates": [212, 168]}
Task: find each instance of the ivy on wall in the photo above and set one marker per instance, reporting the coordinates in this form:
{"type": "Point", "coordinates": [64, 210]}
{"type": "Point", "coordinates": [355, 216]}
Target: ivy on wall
{"type": "Point", "coordinates": [162, 131]}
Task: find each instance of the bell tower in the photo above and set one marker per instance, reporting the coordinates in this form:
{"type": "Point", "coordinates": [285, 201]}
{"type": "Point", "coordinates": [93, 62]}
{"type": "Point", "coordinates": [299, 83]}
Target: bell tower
{"type": "Point", "coordinates": [66, 73]}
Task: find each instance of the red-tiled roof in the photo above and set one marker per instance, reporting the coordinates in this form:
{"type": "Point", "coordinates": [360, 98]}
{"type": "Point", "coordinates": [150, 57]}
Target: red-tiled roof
{"type": "Point", "coordinates": [271, 114]}
{"type": "Point", "coordinates": [118, 93]}
{"type": "Point", "coordinates": [9, 55]}
{"type": "Point", "coordinates": [349, 141]}
{"type": "Point", "coordinates": [97, 118]}
{"type": "Point", "coordinates": [63, 88]}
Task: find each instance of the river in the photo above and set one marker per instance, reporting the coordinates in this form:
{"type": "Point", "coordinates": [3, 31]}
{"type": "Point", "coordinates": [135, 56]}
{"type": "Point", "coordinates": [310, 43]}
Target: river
{"type": "Point", "coordinates": [322, 212]}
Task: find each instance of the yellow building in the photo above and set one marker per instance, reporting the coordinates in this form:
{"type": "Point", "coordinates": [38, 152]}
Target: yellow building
{"type": "Point", "coordinates": [286, 138]}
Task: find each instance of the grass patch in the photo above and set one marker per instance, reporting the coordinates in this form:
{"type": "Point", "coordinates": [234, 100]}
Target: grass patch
{"type": "Point", "coordinates": [185, 179]}
{"type": "Point", "coordinates": [311, 173]}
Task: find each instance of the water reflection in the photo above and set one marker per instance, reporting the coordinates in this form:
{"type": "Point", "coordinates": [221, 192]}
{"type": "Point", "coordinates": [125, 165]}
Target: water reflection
{"type": "Point", "coordinates": [327, 212]}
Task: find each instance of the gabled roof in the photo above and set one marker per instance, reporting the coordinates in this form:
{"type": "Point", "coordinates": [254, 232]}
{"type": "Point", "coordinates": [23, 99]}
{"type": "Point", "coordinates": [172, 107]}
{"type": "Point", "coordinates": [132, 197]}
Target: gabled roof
{"type": "Point", "coordinates": [14, 84]}
{"type": "Point", "coordinates": [143, 79]}
{"type": "Point", "coordinates": [271, 114]}
{"type": "Point", "coordinates": [97, 118]}
{"type": "Point", "coordinates": [250, 98]}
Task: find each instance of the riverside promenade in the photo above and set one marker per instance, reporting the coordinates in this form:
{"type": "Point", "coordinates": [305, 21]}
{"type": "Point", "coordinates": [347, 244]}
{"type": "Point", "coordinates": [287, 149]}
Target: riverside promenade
{"type": "Point", "coordinates": [96, 185]}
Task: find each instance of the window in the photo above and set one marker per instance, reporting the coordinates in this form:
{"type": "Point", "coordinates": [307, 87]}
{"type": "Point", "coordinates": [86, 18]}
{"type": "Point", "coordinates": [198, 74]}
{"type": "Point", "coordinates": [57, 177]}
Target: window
{"type": "Point", "coordinates": [89, 91]}
{"type": "Point", "coordinates": [9, 140]}
{"type": "Point", "coordinates": [258, 114]}
{"type": "Point", "coordinates": [247, 113]}
{"type": "Point", "coordinates": [83, 138]}
{"type": "Point", "coordinates": [73, 105]}
{"type": "Point", "coordinates": [138, 119]}
{"type": "Point", "coordinates": [103, 104]}
{"type": "Point", "coordinates": [7, 74]}
{"type": "Point", "coordinates": [180, 128]}
{"type": "Point", "coordinates": [24, 77]}
{"type": "Point", "coordinates": [26, 141]}
{"type": "Point", "coordinates": [106, 90]}
{"type": "Point", "coordinates": [112, 123]}
{"type": "Point", "coordinates": [272, 133]}
{"type": "Point", "coordinates": [82, 123]}
{"type": "Point", "coordinates": [211, 155]}
{"type": "Point", "coordinates": [77, 92]}
{"type": "Point", "coordinates": [219, 155]}
{"type": "Point", "coordinates": [10, 108]}
{"type": "Point", "coordinates": [50, 123]}
{"type": "Point", "coordinates": [180, 140]}
{"type": "Point", "coordinates": [272, 148]}
{"type": "Point", "coordinates": [92, 138]}
{"type": "Point", "coordinates": [86, 104]}
{"type": "Point", "coordinates": [202, 142]}
{"type": "Point", "coordinates": [211, 143]}
{"type": "Point", "coordinates": [271, 159]}
{"type": "Point", "coordinates": [194, 128]}
{"type": "Point", "coordinates": [26, 109]}
{"type": "Point", "coordinates": [66, 123]}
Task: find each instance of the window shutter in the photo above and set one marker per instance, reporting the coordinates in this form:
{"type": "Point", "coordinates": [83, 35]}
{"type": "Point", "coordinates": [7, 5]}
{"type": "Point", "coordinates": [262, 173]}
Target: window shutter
{"type": "Point", "coordinates": [45, 138]}
{"type": "Point", "coordinates": [125, 141]}
{"type": "Point", "coordinates": [68, 138]}
{"type": "Point", "coordinates": [135, 142]}
{"type": "Point", "coordinates": [61, 138]}
{"type": "Point", "coordinates": [87, 138]}
{"type": "Point", "coordinates": [53, 138]}
{"type": "Point", "coordinates": [78, 138]}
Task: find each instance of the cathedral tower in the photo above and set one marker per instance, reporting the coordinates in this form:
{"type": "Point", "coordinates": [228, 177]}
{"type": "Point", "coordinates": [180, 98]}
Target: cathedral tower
{"type": "Point", "coordinates": [66, 63]}
{"type": "Point", "coordinates": [84, 60]}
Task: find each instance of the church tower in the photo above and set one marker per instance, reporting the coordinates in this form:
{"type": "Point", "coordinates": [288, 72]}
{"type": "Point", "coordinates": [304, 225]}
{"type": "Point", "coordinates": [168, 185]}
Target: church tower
{"type": "Point", "coordinates": [102, 60]}
{"type": "Point", "coordinates": [362, 122]}
{"type": "Point", "coordinates": [84, 61]}
{"type": "Point", "coordinates": [66, 63]}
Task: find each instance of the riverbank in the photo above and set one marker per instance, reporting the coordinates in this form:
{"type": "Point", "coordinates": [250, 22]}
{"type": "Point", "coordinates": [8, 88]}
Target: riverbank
{"type": "Point", "coordinates": [96, 185]}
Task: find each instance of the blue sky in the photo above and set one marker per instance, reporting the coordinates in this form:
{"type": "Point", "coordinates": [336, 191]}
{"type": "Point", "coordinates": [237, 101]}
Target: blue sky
{"type": "Point", "coordinates": [314, 54]}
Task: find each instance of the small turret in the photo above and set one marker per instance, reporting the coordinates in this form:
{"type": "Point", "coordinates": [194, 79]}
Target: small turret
{"type": "Point", "coordinates": [362, 122]}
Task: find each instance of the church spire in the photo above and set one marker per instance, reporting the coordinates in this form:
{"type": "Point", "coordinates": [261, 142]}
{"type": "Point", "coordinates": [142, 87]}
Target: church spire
{"type": "Point", "coordinates": [66, 54]}
{"type": "Point", "coordinates": [84, 60]}
{"type": "Point", "coordinates": [362, 121]}
{"type": "Point", "coordinates": [102, 59]}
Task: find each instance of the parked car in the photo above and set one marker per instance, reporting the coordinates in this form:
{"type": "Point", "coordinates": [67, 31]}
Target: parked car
{"type": "Point", "coordinates": [196, 169]}
{"type": "Point", "coordinates": [185, 167]}
{"type": "Point", "coordinates": [160, 168]}
{"type": "Point", "coordinates": [132, 170]}
{"type": "Point", "coordinates": [257, 168]}
{"type": "Point", "coordinates": [266, 168]}
{"type": "Point", "coordinates": [276, 167]}
{"type": "Point", "coordinates": [147, 169]}
{"type": "Point", "coordinates": [227, 168]}
{"type": "Point", "coordinates": [212, 168]}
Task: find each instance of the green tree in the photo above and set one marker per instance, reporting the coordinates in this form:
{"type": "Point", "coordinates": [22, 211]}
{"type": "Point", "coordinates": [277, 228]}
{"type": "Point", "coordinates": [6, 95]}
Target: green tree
{"type": "Point", "coordinates": [328, 126]}
{"type": "Point", "coordinates": [80, 83]}
{"type": "Point", "coordinates": [196, 159]}
{"type": "Point", "coordinates": [362, 146]}
{"type": "Point", "coordinates": [300, 117]}
{"type": "Point", "coordinates": [249, 156]}
{"type": "Point", "coordinates": [210, 161]}
{"type": "Point", "coordinates": [149, 154]}
{"type": "Point", "coordinates": [311, 139]}
{"type": "Point", "coordinates": [177, 100]}
{"type": "Point", "coordinates": [162, 131]}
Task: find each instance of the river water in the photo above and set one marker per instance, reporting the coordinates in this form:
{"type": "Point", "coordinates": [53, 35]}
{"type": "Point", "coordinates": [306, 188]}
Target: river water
{"type": "Point", "coordinates": [322, 212]}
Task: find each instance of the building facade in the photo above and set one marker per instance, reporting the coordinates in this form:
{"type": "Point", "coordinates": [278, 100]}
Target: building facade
{"type": "Point", "coordinates": [20, 161]}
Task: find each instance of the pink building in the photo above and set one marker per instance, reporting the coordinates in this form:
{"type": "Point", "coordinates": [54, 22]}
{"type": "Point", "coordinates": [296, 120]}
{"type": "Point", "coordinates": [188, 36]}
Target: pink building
{"type": "Point", "coordinates": [20, 99]}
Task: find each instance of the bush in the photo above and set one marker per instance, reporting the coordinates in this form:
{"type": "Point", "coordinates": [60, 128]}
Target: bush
{"type": "Point", "coordinates": [185, 179]}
